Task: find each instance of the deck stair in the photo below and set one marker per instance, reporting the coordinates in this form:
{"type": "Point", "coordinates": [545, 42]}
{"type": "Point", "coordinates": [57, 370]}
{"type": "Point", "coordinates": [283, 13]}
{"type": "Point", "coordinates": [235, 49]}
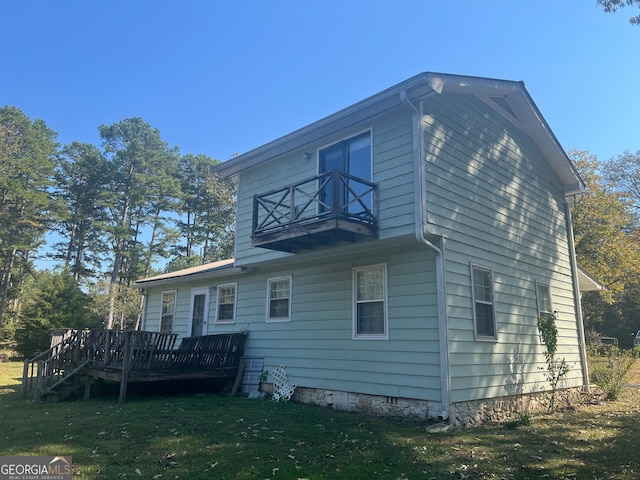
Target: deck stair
{"type": "Point", "coordinates": [77, 356]}
{"type": "Point", "coordinates": [58, 371]}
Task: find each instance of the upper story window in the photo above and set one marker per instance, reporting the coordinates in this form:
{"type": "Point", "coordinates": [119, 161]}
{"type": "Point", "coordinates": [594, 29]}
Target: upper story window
{"type": "Point", "coordinates": [226, 303]}
{"type": "Point", "coordinates": [168, 311]}
{"type": "Point", "coordinates": [369, 310]}
{"type": "Point", "coordinates": [352, 156]}
{"type": "Point", "coordinates": [483, 304]}
{"type": "Point", "coordinates": [279, 299]}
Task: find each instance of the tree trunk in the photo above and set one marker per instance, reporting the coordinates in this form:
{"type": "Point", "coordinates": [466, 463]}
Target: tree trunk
{"type": "Point", "coordinates": [6, 282]}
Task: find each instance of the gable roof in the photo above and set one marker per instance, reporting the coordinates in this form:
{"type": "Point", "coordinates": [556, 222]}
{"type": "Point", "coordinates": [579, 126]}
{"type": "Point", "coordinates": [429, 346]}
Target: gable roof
{"type": "Point", "coordinates": [510, 98]}
{"type": "Point", "coordinates": [209, 270]}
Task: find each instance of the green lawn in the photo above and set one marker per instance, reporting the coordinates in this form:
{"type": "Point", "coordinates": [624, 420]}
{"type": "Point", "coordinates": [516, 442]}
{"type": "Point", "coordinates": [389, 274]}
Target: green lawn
{"type": "Point", "coordinates": [208, 436]}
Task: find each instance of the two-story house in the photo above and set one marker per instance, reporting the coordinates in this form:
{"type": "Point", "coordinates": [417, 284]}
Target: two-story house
{"type": "Point", "coordinates": [395, 256]}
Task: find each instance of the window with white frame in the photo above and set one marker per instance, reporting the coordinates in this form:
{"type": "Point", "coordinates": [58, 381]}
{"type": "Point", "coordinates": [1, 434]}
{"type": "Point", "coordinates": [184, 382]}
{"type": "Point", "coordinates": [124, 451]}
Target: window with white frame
{"type": "Point", "coordinates": [279, 299]}
{"type": "Point", "coordinates": [168, 311]}
{"type": "Point", "coordinates": [543, 297]}
{"type": "Point", "coordinates": [369, 294]}
{"type": "Point", "coordinates": [483, 304]}
{"type": "Point", "coordinates": [226, 303]}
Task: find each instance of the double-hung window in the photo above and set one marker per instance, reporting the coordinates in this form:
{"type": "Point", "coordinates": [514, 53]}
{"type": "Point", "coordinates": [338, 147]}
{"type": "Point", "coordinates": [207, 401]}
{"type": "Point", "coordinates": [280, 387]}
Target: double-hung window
{"type": "Point", "coordinates": [168, 311]}
{"type": "Point", "coordinates": [543, 299]}
{"type": "Point", "coordinates": [226, 303]}
{"type": "Point", "coordinates": [279, 299]}
{"type": "Point", "coordinates": [483, 303]}
{"type": "Point", "coordinates": [370, 306]}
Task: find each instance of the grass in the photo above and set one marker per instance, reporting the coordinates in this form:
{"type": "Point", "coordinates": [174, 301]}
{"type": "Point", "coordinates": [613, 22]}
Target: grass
{"type": "Point", "coordinates": [209, 436]}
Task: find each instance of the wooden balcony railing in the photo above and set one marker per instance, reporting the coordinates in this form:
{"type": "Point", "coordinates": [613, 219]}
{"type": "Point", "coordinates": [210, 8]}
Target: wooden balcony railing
{"type": "Point", "coordinates": [330, 206]}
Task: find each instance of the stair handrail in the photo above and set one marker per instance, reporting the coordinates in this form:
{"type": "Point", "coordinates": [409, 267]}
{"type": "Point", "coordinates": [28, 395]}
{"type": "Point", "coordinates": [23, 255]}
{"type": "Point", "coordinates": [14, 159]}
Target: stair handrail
{"type": "Point", "coordinates": [47, 367]}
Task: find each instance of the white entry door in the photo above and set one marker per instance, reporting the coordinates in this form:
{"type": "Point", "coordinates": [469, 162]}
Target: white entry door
{"type": "Point", "coordinates": [199, 310]}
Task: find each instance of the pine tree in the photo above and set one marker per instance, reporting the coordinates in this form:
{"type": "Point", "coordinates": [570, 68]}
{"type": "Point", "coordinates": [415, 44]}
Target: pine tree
{"type": "Point", "coordinates": [27, 164]}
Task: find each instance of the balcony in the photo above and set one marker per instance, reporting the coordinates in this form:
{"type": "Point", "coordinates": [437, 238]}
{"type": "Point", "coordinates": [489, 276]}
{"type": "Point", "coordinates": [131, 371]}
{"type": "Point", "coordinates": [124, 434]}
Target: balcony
{"type": "Point", "coordinates": [323, 210]}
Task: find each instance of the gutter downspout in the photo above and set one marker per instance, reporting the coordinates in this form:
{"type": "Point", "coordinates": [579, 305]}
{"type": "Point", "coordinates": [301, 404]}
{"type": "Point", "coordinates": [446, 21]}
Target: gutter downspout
{"type": "Point", "coordinates": [577, 300]}
{"type": "Point", "coordinates": [420, 222]}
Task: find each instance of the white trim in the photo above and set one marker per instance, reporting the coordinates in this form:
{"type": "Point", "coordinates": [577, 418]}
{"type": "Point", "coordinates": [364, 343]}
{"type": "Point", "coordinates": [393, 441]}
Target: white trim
{"type": "Point", "coordinates": [354, 313]}
{"type": "Point", "coordinates": [199, 291]}
{"type": "Point", "coordinates": [235, 303]}
{"type": "Point", "coordinates": [479, 337]}
{"type": "Point", "coordinates": [145, 305]}
{"type": "Point", "coordinates": [175, 301]}
{"type": "Point", "coordinates": [268, 319]}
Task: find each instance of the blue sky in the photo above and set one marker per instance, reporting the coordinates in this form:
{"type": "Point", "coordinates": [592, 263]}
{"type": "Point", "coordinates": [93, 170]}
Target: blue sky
{"type": "Point", "coordinates": [223, 77]}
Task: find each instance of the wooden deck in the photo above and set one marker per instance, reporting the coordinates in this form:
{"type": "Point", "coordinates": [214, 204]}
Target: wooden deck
{"type": "Point", "coordinates": [129, 356]}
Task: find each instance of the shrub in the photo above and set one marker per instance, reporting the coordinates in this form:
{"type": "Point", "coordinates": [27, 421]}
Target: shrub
{"type": "Point", "coordinates": [612, 375]}
{"type": "Point", "coordinates": [556, 369]}
{"type": "Point", "coordinates": [59, 303]}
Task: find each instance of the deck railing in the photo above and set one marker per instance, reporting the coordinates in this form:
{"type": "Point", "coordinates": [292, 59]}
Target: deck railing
{"type": "Point", "coordinates": [76, 349]}
{"type": "Point", "coordinates": [132, 349]}
{"type": "Point", "coordinates": [50, 367]}
{"type": "Point", "coordinates": [333, 194]}
{"type": "Point", "coordinates": [126, 351]}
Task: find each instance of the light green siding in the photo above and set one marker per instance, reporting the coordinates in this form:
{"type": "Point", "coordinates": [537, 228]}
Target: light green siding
{"type": "Point", "coordinates": [495, 199]}
{"type": "Point", "coordinates": [392, 170]}
{"type": "Point", "coordinates": [317, 345]}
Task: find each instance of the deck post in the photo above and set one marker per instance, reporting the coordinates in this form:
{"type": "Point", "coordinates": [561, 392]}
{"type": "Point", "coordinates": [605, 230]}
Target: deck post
{"type": "Point", "coordinates": [107, 347]}
{"type": "Point", "coordinates": [25, 379]}
{"type": "Point", "coordinates": [39, 381]}
{"type": "Point", "coordinates": [126, 364]}
{"type": "Point", "coordinates": [87, 388]}
{"type": "Point", "coordinates": [238, 379]}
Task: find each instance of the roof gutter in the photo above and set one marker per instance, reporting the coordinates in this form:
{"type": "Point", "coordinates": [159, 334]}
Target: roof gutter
{"type": "Point", "coordinates": [420, 222]}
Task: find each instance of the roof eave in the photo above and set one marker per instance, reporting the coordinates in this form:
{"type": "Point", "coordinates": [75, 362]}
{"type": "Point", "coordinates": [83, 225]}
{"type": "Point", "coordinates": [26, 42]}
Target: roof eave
{"type": "Point", "coordinates": [371, 106]}
{"type": "Point", "coordinates": [532, 121]}
{"type": "Point", "coordinates": [588, 282]}
{"type": "Point", "coordinates": [421, 84]}
{"type": "Point", "coordinates": [207, 275]}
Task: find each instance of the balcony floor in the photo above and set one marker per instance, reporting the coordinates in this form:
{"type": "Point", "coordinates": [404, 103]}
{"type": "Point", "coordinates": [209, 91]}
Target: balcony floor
{"type": "Point", "coordinates": [309, 236]}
